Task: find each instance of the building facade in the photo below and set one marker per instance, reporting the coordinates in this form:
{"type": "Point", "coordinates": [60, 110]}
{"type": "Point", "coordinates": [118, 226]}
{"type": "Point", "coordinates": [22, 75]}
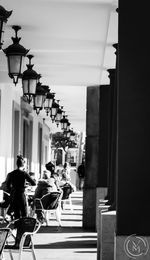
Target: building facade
{"type": "Point", "coordinates": [22, 131]}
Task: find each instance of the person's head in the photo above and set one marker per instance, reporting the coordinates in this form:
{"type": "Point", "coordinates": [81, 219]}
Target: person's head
{"type": "Point", "coordinates": [46, 175]}
{"type": "Point", "coordinates": [50, 167]}
{"type": "Point", "coordinates": [20, 161]}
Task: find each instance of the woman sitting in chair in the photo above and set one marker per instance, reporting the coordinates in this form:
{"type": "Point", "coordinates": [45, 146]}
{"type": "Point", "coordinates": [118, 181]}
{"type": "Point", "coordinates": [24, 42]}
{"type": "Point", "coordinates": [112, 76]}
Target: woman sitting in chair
{"type": "Point", "coordinates": [48, 183]}
{"type": "Point", "coordinates": [46, 188]}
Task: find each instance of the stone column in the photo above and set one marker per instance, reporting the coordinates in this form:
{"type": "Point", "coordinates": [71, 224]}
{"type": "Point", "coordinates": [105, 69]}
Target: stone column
{"type": "Point", "coordinates": [104, 135]}
{"type": "Point", "coordinates": [112, 139]}
{"type": "Point", "coordinates": [133, 181]}
{"type": "Point", "coordinates": [92, 158]}
{"type": "Point", "coordinates": [102, 178]}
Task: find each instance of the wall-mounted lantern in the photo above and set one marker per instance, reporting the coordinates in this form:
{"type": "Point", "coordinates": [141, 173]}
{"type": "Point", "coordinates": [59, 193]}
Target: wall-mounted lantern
{"type": "Point", "coordinates": [15, 54]}
{"type": "Point", "coordinates": [39, 98]}
{"type": "Point", "coordinates": [48, 101]}
{"type": "Point", "coordinates": [58, 115]}
{"type": "Point", "coordinates": [64, 123]}
{"type": "Point", "coordinates": [29, 80]}
{"type": "Point", "coordinates": [54, 110]}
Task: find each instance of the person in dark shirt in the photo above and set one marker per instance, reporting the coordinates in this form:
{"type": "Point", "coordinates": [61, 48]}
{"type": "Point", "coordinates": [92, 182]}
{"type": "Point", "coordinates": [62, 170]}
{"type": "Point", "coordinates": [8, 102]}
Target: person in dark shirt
{"type": "Point", "coordinates": [16, 183]}
{"type": "Point", "coordinates": [81, 174]}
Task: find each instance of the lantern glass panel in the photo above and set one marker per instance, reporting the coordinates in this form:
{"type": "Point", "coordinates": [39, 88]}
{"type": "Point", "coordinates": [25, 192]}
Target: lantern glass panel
{"type": "Point", "coordinates": [38, 101]}
{"type": "Point", "coordinates": [25, 86]}
{"type": "Point", "coordinates": [32, 86]}
{"type": "Point", "coordinates": [29, 86]}
{"type": "Point", "coordinates": [58, 116]}
{"type": "Point", "coordinates": [53, 111]}
{"type": "Point", "coordinates": [48, 103]}
{"type": "Point", "coordinates": [2, 30]}
{"type": "Point", "coordinates": [72, 137]}
{"type": "Point", "coordinates": [68, 134]}
{"type": "Point", "coordinates": [65, 125]}
{"type": "Point", "coordinates": [14, 64]}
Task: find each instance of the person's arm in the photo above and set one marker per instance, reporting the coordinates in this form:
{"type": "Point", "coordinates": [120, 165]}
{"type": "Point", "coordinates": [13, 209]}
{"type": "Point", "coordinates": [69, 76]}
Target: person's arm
{"type": "Point", "coordinates": [29, 179]}
{"type": "Point", "coordinates": [8, 182]}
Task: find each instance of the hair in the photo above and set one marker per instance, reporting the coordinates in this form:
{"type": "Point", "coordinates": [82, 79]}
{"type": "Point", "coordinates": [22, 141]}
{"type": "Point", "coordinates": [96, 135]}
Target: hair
{"type": "Point", "coordinates": [45, 175]}
{"type": "Point", "coordinates": [50, 167]}
{"type": "Point", "coordinates": [20, 161]}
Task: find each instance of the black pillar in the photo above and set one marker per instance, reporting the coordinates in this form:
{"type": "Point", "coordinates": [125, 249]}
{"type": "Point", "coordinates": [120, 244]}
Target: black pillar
{"type": "Point", "coordinates": [112, 140]}
{"type": "Point", "coordinates": [92, 158]}
{"type": "Point", "coordinates": [104, 128]}
{"type": "Point", "coordinates": [133, 185]}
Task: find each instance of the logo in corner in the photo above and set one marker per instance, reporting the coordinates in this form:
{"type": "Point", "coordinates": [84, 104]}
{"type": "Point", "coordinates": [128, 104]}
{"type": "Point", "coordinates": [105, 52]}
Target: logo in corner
{"type": "Point", "coordinates": [136, 246]}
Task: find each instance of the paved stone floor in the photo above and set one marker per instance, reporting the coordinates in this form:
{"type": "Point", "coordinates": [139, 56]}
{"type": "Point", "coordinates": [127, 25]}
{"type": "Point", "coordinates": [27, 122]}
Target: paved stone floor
{"type": "Point", "coordinates": [69, 242]}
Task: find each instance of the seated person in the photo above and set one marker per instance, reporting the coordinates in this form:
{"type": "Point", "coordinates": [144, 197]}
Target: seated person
{"type": "Point", "coordinates": [45, 185]}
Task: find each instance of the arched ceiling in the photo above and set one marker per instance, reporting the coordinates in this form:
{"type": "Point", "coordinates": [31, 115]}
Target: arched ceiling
{"type": "Point", "coordinates": [71, 41]}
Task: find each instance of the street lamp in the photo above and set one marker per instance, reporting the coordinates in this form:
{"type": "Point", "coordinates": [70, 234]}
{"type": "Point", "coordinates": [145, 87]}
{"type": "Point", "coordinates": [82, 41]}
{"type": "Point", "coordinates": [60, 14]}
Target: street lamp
{"type": "Point", "coordinates": [58, 116]}
{"type": "Point", "coordinates": [64, 123]}
{"type": "Point", "coordinates": [15, 54]}
{"type": "Point", "coordinates": [4, 15]}
{"type": "Point", "coordinates": [54, 110]}
{"type": "Point", "coordinates": [29, 80]}
{"type": "Point", "coordinates": [38, 98]}
{"type": "Point", "coordinates": [48, 101]}
{"type": "Point", "coordinates": [72, 136]}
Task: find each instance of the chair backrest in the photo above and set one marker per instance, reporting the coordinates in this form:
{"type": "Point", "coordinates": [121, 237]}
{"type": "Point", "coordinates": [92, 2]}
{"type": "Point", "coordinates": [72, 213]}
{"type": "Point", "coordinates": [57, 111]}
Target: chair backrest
{"type": "Point", "coordinates": [67, 190]}
{"type": "Point", "coordinates": [3, 236]}
{"type": "Point", "coordinates": [25, 224]}
{"type": "Point", "coordinates": [51, 200]}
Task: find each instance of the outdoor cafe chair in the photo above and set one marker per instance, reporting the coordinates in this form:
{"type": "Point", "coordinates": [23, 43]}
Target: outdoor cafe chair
{"type": "Point", "coordinates": [4, 205]}
{"type": "Point", "coordinates": [21, 236]}
{"type": "Point", "coordinates": [3, 237]}
{"type": "Point", "coordinates": [66, 197]}
{"type": "Point", "coordinates": [49, 203]}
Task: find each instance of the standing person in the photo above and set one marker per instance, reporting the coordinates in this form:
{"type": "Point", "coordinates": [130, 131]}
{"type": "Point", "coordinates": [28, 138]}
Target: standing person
{"type": "Point", "coordinates": [81, 174]}
{"type": "Point", "coordinates": [15, 182]}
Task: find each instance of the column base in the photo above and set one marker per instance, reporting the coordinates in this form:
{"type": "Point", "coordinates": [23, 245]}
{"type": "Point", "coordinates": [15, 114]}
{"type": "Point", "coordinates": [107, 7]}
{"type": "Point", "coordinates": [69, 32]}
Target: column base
{"type": "Point", "coordinates": [100, 195]}
{"type": "Point", "coordinates": [89, 208]}
{"type": "Point", "coordinates": [108, 223]}
{"type": "Point", "coordinates": [101, 209]}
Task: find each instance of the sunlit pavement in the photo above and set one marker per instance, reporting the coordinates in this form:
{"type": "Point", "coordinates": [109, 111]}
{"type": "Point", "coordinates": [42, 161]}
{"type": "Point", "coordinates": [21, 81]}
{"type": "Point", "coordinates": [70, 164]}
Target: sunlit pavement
{"type": "Point", "coordinates": [68, 242]}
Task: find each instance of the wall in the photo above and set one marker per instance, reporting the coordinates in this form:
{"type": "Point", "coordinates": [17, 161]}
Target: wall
{"type": "Point", "coordinates": [10, 94]}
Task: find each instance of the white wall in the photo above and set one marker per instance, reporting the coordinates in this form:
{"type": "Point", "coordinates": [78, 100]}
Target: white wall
{"type": "Point", "coordinates": [8, 94]}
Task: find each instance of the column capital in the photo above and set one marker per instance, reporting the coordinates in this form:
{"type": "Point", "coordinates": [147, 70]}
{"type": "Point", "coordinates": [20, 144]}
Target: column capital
{"type": "Point", "coordinates": [111, 74]}
{"type": "Point", "coordinates": [115, 45]}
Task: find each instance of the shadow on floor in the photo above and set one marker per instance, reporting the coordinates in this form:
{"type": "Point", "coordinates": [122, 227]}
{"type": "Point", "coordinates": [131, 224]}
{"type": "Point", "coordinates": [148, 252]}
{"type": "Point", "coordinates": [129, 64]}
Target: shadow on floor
{"type": "Point", "coordinates": [56, 229]}
{"type": "Point", "coordinates": [69, 244]}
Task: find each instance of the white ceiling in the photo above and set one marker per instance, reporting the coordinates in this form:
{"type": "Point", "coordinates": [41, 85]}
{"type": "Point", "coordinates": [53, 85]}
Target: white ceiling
{"type": "Point", "coordinates": [71, 41]}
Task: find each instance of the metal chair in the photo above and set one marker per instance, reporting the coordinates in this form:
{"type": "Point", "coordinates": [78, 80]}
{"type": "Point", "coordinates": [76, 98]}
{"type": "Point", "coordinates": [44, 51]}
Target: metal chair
{"type": "Point", "coordinates": [3, 237]}
{"type": "Point", "coordinates": [22, 239]}
{"type": "Point", "coordinates": [4, 205]}
{"type": "Point", "coordinates": [49, 203]}
{"type": "Point", "coordinates": [66, 197]}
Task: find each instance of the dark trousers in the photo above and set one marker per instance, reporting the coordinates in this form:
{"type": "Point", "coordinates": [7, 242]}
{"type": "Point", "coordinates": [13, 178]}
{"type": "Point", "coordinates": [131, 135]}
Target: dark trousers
{"type": "Point", "coordinates": [19, 205]}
